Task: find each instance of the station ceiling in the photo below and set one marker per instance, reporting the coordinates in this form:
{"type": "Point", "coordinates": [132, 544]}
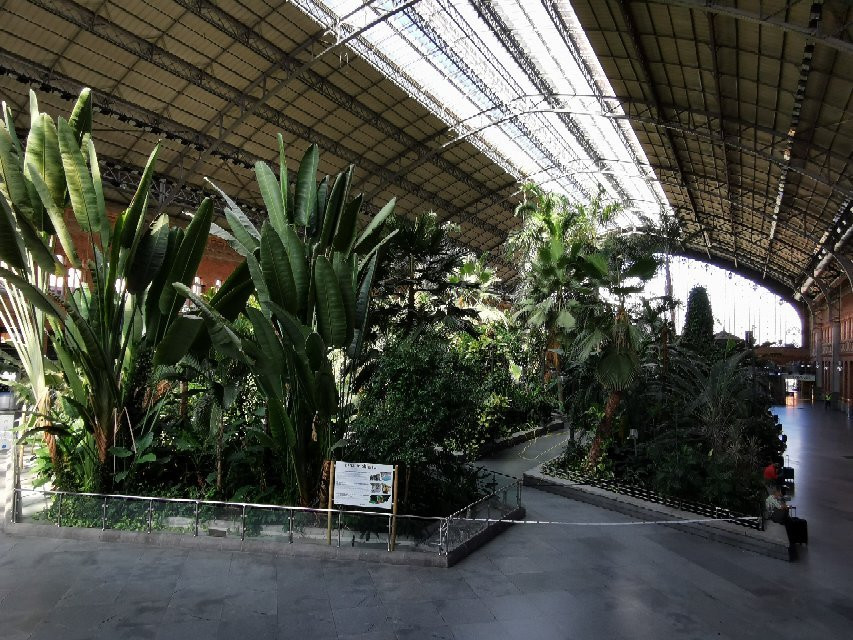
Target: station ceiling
{"type": "Point", "coordinates": [736, 116]}
{"type": "Point", "coordinates": [744, 110]}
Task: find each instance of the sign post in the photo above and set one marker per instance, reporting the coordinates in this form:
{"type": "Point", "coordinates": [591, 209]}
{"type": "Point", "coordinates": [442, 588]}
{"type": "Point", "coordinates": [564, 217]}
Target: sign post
{"type": "Point", "coordinates": [394, 510]}
{"type": "Point", "coordinates": [330, 500]}
{"type": "Point", "coordinates": [366, 486]}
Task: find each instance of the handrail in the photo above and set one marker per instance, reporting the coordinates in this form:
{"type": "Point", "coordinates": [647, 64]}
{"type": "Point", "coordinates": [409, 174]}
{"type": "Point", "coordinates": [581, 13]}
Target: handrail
{"type": "Point", "coordinates": [250, 505]}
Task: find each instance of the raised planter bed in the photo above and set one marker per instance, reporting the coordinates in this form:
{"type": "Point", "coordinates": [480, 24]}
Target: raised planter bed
{"type": "Point", "coordinates": [771, 542]}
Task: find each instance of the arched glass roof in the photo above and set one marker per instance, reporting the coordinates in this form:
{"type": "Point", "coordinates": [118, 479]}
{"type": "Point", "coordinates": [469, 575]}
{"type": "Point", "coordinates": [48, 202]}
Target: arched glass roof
{"type": "Point", "coordinates": [515, 78]}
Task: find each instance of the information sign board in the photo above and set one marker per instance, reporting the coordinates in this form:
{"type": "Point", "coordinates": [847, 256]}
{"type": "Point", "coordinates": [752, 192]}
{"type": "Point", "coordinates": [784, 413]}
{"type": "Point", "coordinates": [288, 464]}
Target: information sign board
{"type": "Point", "coordinates": [362, 484]}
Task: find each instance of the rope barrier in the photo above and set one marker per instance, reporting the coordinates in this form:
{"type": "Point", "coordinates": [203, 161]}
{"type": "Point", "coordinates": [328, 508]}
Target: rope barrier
{"type": "Point", "coordinates": [607, 524]}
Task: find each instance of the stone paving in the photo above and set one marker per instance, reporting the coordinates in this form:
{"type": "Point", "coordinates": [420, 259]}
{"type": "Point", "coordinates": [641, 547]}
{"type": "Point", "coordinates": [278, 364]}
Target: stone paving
{"type": "Point", "coordinates": [533, 582]}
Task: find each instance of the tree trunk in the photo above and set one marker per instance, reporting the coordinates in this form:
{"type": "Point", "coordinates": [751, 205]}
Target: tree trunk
{"type": "Point", "coordinates": [604, 430]}
{"type": "Point", "coordinates": [668, 285]}
{"type": "Point", "coordinates": [185, 392]}
{"type": "Point", "coordinates": [220, 433]}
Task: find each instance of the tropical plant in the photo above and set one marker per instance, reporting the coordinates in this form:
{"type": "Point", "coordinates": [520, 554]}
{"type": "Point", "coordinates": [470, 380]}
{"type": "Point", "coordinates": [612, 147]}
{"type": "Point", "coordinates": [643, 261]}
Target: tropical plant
{"type": "Point", "coordinates": [606, 331]}
{"type": "Point", "coordinates": [551, 248]}
{"type": "Point", "coordinates": [125, 303]}
{"type": "Point", "coordinates": [312, 273]}
{"type": "Point", "coordinates": [427, 279]}
{"type": "Point", "coordinates": [698, 332]}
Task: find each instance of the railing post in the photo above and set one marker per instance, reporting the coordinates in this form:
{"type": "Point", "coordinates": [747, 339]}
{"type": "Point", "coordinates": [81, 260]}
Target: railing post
{"type": "Point", "coordinates": [389, 533]}
{"type": "Point", "coordinates": [150, 514]}
{"type": "Point", "coordinates": [339, 528]}
{"type": "Point", "coordinates": [104, 516]}
{"type": "Point", "coordinates": [243, 524]}
{"type": "Point", "coordinates": [290, 525]}
{"type": "Point", "coordinates": [59, 512]}
{"type": "Point", "coordinates": [196, 519]}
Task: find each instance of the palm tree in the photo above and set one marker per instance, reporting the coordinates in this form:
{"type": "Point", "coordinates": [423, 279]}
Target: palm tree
{"type": "Point", "coordinates": [607, 335]}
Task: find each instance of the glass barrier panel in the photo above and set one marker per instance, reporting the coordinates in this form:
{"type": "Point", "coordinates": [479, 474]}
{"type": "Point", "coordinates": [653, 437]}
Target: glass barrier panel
{"type": "Point", "coordinates": [127, 514]}
{"type": "Point", "coordinates": [34, 507]}
{"type": "Point", "coordinates": [79, 511]}
{"type": "Point", "coordinates": [174, 517]}
{"type": "Point", "coordinates": [219, 520]}
{"type": "Point", "coordinates": [311, 527]}
{"type": "Point", "coordinates": [268, 524]}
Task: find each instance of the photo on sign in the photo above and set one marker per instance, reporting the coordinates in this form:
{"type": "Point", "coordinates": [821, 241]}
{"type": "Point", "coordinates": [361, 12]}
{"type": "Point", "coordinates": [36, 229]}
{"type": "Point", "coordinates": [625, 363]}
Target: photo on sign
{"type": "Point", "coordinates": [375, 477]}
{"type": "Point", "coordinates": [376, 487]}
{"type": "Point", "coordinates": [386, 476]}
{"type": "Point", "coordinates": [379, 499]}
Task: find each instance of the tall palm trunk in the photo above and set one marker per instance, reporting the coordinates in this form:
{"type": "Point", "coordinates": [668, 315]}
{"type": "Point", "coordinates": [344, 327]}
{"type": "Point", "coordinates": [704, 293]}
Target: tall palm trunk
{"type": "Point", "coordinates": [605, 429]}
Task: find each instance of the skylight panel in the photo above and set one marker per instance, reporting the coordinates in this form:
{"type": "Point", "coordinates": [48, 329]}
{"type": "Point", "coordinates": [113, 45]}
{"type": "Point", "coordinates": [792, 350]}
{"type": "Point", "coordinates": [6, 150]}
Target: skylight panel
{"type": "Point", "coordinates": [446, 56]}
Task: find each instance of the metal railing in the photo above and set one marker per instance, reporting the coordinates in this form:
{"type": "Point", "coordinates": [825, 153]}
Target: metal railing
{"type": "Point", "coordinates": [288, 524]}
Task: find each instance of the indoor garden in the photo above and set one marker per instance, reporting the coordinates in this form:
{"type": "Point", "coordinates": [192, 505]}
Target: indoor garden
{"type": "Point", "coordinates": [350, 335]}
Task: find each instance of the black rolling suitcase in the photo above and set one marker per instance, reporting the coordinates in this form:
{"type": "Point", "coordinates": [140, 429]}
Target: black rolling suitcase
{"type": "Point", "coordinates": [799, 529]}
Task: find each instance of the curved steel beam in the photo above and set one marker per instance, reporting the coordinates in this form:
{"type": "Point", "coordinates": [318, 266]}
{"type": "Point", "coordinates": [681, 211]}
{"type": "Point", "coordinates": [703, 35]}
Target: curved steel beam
{"type": "Point", "coordinates": [810, 33]}
{"type": "Point", "coordinates": [845, 263]}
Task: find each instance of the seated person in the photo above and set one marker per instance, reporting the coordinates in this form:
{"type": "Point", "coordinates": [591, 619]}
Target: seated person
{"type": "Point", "coordinates": [779, 512]}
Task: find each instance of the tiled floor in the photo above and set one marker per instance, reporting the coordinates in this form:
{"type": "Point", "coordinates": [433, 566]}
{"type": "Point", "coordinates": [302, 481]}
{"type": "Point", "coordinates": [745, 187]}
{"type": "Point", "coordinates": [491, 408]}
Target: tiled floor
{"type": "Point", "coordinates": [533, 582]}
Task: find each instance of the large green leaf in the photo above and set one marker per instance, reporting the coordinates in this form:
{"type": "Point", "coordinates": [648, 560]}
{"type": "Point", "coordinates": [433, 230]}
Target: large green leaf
{"type": "Point", "coordinates": [293, 331]}
{"type": "Point", "coordinates": [271, 358]}
{"type": "Point", "coordinates": [281, 426]}
{"type": "Point", "coordinates": [188, 257]}
{"type": "Point", "coordinates": [362, 305]}
{"type": "Point", "coordinates": [42, 157]}
{"type": "Point", "coordinates": [35, 244]}
{"type": "Point", "coordinates": [69, 371]}
{"type": "Point", "coordinates": [262, 292]}
{"type": "Point", "coordinates": [334, 207]}
{"type": "Point", "coordinates": [276, 270]}
{"type": "Point", "coordinates": [347, 224]}
{"type": "Point", "coordinates": [11, 249]}
{"type": "Point", "coordinates": [370, 236]}
{"type": "Point", "coordinates": [81, 115]}
{"type": "Point", "coordinates": [178, 339]}
{"type": "Point", "coordinates": [298, 266]}
{"type": "Point", "coordinates": [315, 220]}
{"type": "Point", "coordinates": [345, 271]}
{"type": "Point", "coordinates": [97, 183]}
{"type": "Point", "coordinates": [136, 211]}
{"type": "Point", "coordinates": [272, 195]}
{"type": "Point", "coordinates": [223, 337]}
{"type": "Point", "coordinates": [84, 201]}
{"type": "Point", "coordinates": [149, 256]}
{"type": "Point", "coordinates": [285, 197]}
{"type": "Point", "coordinates": [331, 316]}
{"type": "Point", "coordinates": [325, 395]}
{"type": "Point", "coordinates": [160, 282]}
{"type": "Point", "coordinates": [232, 296]}
{"type": "Point", "coordinates": [315, 351]}
{"type": "Point", "coordinates": [57, 218]}
{"type": "Point", "coordinates": [242, 228]}
{"type": "Point", "coordinates": [12, 176]}
{"type": "Point", "coordinates": [306, 186]}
